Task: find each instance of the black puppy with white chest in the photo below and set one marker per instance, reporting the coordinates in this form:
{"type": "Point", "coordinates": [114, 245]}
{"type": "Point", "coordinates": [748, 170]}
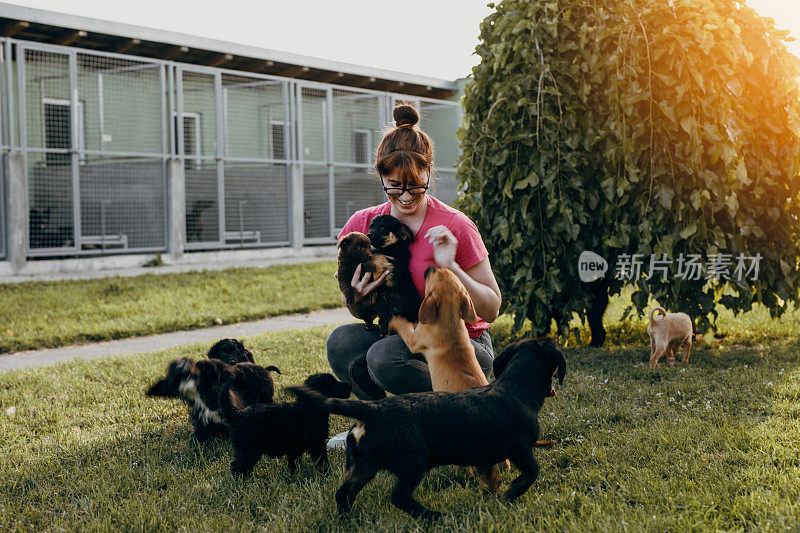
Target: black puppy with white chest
{"type": "Point", "coordinates": [482, 426]}
{"type": "Point", "coordinates": [285, 429]}
{"type": "Point", "coordinates": [398, 295]}
{"type": "Point", "coordinates": [199, 384]}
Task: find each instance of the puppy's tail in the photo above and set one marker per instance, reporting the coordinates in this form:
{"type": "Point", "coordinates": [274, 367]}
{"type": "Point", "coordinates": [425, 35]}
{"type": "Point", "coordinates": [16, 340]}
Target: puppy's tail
{"type": "Point", "coordinates": [271, 368]}
{"type": "Point", "coordinates": [657, 308]}
{"type": "Point", "coordinates": [357, 409]}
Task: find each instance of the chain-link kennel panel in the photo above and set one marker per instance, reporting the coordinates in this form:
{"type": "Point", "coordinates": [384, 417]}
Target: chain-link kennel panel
{"type": "Point", "coordinates": [256, 205]}
{"type": "Point", "coordinates": [198, 106]}
{"type": "Point", "coordinates": [358, 122]}
{"type": "Point", "coordinates": [4, 142]}
{"type": "Point", "coordinates": [316, 202]}
{"type": "Point", "coordinates": [197, 130]}
{"type": "Point", "coordinates": [354, 189]}
{"type": "Point", "coordinates": [440, 120]}
{"type": "Point", "coordinates": [313, 127]}
{"type": "Point", "coordinates": [202, 204]}
{"type": "Point", "coordinates": [255, 117]}
{"type": "Point", "coordinates": [122, 204]}
{"type": "Point", "coordinates": [122, 104]}
{"type": "Point", "coordinates": [314, 150]}
{"type": "Point", "coordinates": [48, 137]}
{"type": "Point", "coordinates": [48, 106]}
{"type": "Point", "coordinates": [51, 217]}
{"type": "Point", "coordinates": [3, 156]}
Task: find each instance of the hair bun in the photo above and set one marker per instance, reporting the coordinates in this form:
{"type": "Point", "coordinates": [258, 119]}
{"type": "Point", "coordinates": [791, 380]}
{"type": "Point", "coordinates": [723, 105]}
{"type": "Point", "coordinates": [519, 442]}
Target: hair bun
{"type": "Point", "coordinates": [404, 114]}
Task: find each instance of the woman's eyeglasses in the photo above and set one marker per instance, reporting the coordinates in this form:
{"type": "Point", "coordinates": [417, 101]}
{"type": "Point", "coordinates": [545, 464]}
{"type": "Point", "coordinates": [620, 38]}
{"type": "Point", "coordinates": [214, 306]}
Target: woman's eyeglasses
{"type": "Point", "coordinates": [416, 190]}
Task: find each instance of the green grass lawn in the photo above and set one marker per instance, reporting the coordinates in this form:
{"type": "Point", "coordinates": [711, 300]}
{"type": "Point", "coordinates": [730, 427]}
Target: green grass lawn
{"type": "Point", "coordinates": [50, 314]}
{"type": "Point", "coordinates": [715, 445]}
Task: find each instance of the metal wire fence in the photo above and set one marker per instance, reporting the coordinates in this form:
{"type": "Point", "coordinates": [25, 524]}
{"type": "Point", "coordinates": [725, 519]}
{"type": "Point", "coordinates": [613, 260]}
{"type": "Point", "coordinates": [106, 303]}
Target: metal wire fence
{"type": "Point", "coordinates": [5, 132]}
{"type": "Point", "coordinates": [98, 129]}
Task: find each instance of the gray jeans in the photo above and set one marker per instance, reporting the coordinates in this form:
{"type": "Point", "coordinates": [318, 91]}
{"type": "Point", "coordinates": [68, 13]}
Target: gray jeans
{"type": "Point", "coordinates": [373, 365]}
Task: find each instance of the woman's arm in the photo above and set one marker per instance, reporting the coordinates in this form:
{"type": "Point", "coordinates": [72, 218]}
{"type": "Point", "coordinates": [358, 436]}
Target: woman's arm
{"type": "Point", "coordinates": [478, 280]}
{"type": "Point", "coordinates": [482, 287]}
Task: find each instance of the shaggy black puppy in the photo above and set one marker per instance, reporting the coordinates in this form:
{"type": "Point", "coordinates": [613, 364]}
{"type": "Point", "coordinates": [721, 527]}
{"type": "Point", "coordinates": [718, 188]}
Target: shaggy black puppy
{"type": "Point", "coordinates": [397, 295]}
{"type": "Point", "coordinates": [289, 429]}
{"type": "Point", "coordinates": [411, 433]}
{"type": "Point", "coordinates": [200, 383]}
{"type": "Point", "coordinates": [230, 351]}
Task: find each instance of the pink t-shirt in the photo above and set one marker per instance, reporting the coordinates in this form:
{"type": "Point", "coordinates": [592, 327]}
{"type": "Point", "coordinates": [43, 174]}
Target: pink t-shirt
{"type": "Point", "coordinates": [470, 250]}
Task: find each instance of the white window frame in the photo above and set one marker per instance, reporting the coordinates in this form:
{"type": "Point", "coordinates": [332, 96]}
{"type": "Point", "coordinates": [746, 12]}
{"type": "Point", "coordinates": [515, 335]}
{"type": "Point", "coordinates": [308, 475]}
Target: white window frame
{"type": "Point", "coordinates": [198, 138]}
{"type": "Point", "coordinates": [81, 124]}
{"type": "Point", "coordinates": [368, 144]}
{"type": "Point", "coordinates": [282, 124]}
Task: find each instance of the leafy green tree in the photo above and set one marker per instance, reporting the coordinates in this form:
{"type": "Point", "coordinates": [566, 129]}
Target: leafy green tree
{"type": "Point", "coordinates": [633, 126]}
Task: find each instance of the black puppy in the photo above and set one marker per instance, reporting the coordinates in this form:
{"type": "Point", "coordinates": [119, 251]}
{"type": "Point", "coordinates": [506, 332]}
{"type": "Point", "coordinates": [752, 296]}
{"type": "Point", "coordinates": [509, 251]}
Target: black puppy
{"type": "Point", "coordinates": [411, 433]}
{"type": "Point", "coordinates": [199, 385]}
{"type": "Point", "coordinates": [398, 295]}
{"type": "Point", "coordinates": [230, 351]}
{"type": "Point", "coordinates": [289, 429]}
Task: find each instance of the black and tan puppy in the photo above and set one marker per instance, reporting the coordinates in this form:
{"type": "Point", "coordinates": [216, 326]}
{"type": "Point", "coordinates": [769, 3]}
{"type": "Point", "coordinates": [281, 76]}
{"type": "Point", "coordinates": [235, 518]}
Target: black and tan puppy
{"type": "Point", "coordinates": [199, 385]}
{"type": "Point", "coordinates": [411, 433]}
{"type": "Point", "coordinates": [397, 296]}
{"type": "Point", "coordinates": [285, 429]}
{"type": "Point", "coordinates": [355, 249]}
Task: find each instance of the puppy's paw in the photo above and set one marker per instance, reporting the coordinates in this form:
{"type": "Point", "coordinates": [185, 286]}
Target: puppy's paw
{"type": "Point", "coordinates": [240, 469]}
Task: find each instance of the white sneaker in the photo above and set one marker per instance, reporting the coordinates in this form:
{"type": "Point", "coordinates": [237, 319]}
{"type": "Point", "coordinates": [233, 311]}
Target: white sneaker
{"type": "Point", "coordinates": [338, 440]}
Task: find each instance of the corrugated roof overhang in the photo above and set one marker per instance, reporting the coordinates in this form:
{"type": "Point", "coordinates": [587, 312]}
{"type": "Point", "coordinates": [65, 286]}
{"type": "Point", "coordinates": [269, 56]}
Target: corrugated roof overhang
{"type": "Point", "coordinates": [70, 30]}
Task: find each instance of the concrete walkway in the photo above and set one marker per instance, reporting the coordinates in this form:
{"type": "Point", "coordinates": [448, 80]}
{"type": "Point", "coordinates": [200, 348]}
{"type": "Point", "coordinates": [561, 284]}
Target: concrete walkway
{"type": "Point", "coordinates": [125, 266]}
{"type": "Point", "coordinates": [15, 361]}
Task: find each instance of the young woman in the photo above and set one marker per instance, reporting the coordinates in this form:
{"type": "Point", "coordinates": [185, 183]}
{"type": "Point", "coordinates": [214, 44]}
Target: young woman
{"type": "Point", "coordinates": [443, 236]}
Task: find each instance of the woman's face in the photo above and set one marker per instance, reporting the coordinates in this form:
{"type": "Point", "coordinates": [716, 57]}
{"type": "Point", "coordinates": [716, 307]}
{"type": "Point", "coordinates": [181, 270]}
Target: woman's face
{"type": "Point", "coordinates": [407, 203]}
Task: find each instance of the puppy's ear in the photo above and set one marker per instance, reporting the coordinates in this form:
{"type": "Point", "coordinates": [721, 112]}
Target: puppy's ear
{"type": "Point", "coordinates": [404, 234]}
{"type": "Point", "coordinates": [428, 310]}
{"type": "Point", "coordinates": [162, 389]}
{"type": "Point", "coordinates": [468, 309]}
{"type": "Point", "coordinates": [501, 361]}
{"type": "Point", "coordinates": [559, 362]}
{"type": "Point", "coordinates": [210, 373]}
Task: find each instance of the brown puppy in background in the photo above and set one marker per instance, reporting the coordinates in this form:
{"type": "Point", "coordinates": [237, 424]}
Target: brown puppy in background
{"type": "Point", "coordinates": [354, 250]}
{"type": "Point", "coordinates": [668, 334]}
{"type": "Point", "coordinates": [442, 338]}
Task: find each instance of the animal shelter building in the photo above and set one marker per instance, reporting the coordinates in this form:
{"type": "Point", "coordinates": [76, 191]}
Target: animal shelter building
{"type": "Point", "coordinates": [120, 142]}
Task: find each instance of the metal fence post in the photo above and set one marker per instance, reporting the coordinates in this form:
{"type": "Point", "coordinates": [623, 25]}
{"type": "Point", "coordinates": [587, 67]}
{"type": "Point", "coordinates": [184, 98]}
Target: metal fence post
{"type": "Point", "coordinates": [297, 194]}
{"type": "Point", "coordinates": [298, 222]}
{"type": "Point", "coordinates": [177, 207]}
{"type": "Point", "coordinates": [17, 210]}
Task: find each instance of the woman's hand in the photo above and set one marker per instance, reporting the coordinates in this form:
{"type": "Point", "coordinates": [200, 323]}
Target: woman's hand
{"type": "Point", "coordinates": [444, 246]}
{"type": "Point", "coordinates": [362, 285]}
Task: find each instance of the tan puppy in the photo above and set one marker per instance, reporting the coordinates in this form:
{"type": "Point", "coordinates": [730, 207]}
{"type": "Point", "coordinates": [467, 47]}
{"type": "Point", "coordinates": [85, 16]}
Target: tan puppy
{"type": "Point", "coordinates": [668, 333]}
{"type": "Point", "coordinates": [441, 335]}
{"type": "Point", "coordinates": [442, 338]}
